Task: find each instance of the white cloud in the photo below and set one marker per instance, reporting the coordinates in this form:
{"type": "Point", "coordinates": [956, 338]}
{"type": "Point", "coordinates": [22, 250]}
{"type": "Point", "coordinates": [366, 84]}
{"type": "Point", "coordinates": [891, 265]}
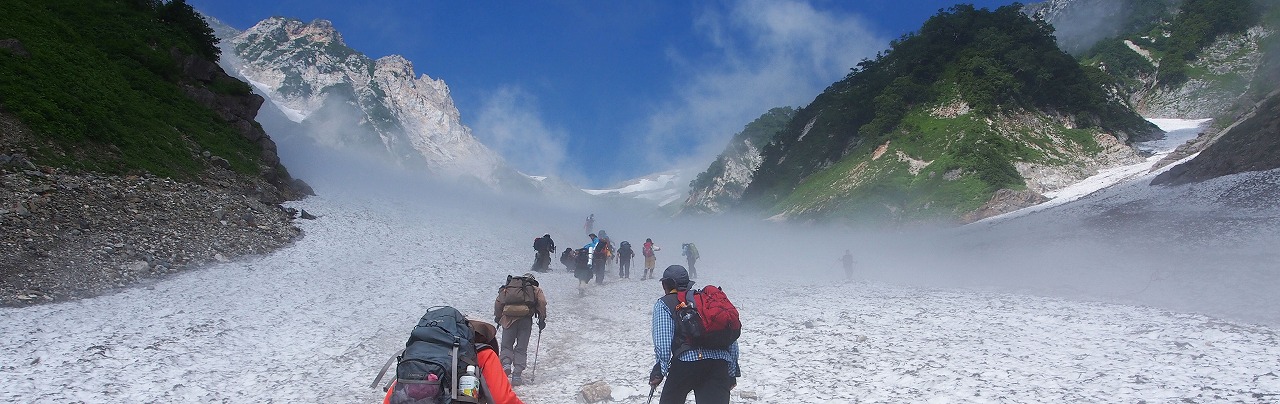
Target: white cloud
{"type": "Point", "coordinates": [765, 54]}
{"type": "Point", "coordinates": [510, 123]}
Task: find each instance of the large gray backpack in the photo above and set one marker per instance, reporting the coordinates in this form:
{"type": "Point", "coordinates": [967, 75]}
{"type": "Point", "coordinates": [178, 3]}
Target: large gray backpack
{"type": "Point", "coordinates": [438, 352]}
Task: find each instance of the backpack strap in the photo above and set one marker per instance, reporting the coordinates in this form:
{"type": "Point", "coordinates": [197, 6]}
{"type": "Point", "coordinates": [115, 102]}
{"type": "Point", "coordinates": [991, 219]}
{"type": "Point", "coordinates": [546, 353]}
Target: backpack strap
{"type": "Point", "coordinates": [383, 372]}
{"type": "Point", "coordinates": [454, 384]}
{"type": "Point", "coordinates": [675, 301]}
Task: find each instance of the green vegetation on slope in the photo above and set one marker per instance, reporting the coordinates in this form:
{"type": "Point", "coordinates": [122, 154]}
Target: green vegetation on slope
{"type": "Point", "coordinates": [997, 63]}
{"type": "Point", "coordinates": [101, 88]}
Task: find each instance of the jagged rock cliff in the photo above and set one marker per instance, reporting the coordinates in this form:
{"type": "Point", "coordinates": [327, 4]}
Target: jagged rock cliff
{"type": "Point", "coordinates": [346, 100]}
{"type": "Point", "coordinates": [721, 185]}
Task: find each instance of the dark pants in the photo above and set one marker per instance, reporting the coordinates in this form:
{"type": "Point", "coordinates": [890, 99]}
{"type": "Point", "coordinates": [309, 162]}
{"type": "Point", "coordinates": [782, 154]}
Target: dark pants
{"type": "Point", "coordinates": [515, 344]}
{"type": "Point", "coordinates": [708, 379]}
{"type": "Point", "coordinates": [624, 267]}
{"type": "Point", "coordinates": [600, 263]}
{"type": "Point", "coordinates": [542, 261]}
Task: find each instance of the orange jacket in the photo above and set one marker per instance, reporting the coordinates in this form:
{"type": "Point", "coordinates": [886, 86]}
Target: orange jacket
{"type": "Point", "coordinates": [495, 379]}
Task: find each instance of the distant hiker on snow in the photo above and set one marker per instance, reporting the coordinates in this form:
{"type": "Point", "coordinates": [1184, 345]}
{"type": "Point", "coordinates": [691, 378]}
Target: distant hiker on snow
{"type": "Point", "coordinates": [567, 258]}
{"type": "Point", "coordinates": [624, 259]}
{"type": "Point", "coordinates": [590, 225]}
{"type": "Point", "coordinates": [706, 364]}
{"type": "Point", "coordinates": [544, 247]}
{"type": "Point", "coordinates": [518, 302]}
{"type": "Point", "coordinates": [650, 259]}
{"type": "Point", "coordinates": [583, 264]}
{"type": "Point", "coordinates": [600, 258]}
{"type": "Point", "coordinates": [432, 370]}
{"type": "Point", "coordinates": [847, 259]}
{"type": "Point", "coordinates": [690, 253]}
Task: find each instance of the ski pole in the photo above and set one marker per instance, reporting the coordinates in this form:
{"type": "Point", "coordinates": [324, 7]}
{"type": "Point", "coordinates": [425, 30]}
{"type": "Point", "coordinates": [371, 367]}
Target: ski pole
{"type": "Point", "coordinates": [651, 390]}
{"type": "Point", "coordinates": [533, 373]}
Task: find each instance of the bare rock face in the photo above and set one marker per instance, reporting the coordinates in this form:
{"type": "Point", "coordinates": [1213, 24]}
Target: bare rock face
{"type": "Point", "coordinates": [348, 101]}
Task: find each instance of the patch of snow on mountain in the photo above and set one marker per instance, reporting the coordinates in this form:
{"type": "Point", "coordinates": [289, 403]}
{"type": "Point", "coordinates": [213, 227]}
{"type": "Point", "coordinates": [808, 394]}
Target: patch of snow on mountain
{"type": "Point", "coordinates": [1177, 132]}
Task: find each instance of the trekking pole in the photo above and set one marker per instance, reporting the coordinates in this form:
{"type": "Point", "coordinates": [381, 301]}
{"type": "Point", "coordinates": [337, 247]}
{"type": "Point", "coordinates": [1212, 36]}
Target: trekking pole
{"type": "Point", "coordinates": [651, 390]}
{"type": "Point", "coordinates": [533, 373]}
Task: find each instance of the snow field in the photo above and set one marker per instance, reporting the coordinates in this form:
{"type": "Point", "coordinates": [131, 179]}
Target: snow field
{"type": "Point", "coordinates": [314, 322]}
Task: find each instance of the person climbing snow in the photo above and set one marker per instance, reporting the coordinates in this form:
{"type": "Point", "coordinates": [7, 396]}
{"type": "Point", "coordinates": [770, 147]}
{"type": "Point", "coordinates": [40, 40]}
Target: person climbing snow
{"type": "Point", "coordinates": [583, 266]}
{"type": "Point", "coordinates": [600, 258]}
{"type": "Point", "coordinates": [542, 258]}
{"type": "Point", "coordinates": [650, 258]}
{"type": "Point", "coordinates": [624, 259]}
{"type": "Point", "coordinates": [690, 253]}
{"type": "Point", "coordinates": [847, 259]}
{"type": "Point", "coordinates": [495, 387]}
{"type": "Point", "coordinates": [518, 302]}
{"type": "Point", "coordinates": [710, 373]}
{"type": "Point", "coordinates": [567, 258]}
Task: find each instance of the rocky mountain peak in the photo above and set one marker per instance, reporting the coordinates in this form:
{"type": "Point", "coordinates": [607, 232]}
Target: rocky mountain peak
{"type": "Point", "coordinates": [317, 31]}
{"type": "Point", "coordinates": [344, 99]}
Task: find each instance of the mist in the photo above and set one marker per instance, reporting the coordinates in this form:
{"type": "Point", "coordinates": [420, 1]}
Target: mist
{"type": "Point", "coordinates": [1086, 22]}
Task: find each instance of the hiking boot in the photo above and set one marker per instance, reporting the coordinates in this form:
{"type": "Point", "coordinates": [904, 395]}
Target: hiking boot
{"type": "Point", "coordinates": [516, 380]}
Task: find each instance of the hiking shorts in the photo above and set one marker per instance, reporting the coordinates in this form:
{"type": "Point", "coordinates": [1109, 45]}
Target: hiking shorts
{"type": "Point", "coordinates": [649, 262]}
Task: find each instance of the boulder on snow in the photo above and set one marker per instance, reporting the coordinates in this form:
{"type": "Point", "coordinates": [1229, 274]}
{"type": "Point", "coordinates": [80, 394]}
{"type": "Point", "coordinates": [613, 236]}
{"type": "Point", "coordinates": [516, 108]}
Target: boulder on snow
{"type": "Point", "coordinates": [596, 391]}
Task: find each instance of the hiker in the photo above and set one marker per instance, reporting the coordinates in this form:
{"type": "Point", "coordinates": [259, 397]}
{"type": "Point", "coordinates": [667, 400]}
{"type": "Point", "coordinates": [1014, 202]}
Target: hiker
{"type": "Point", "coordinates": [624, 260]}
{"type": "Point", "coordinates": [582, 269]}
{"type": "Point", "coordinates": [544, 247]}
{"type": "Point", "coordinates": [496, 389]}
{"type": "Point", "coordinates": [567, 258]}
{"type": "Point", "coordinates": [650, 259]}
{"type": "Point", "coordinates": [583, 265]}
{"type": "Point", "coordinates": [518, 302]}
{"type": "Point", "coordinates": [600, 258]}
{"type": "Point", "coordinates": [591, 223]}
{"type": "Point", "coordinates": [690, 253]}
{"type": "Point", "coordinates": [848, 264]}
{"type": "Point", "coordinates": [709, 373]}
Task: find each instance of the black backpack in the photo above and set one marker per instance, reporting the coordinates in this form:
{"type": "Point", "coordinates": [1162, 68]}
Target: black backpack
{"type": "Point", "coordinates": [438, 352]}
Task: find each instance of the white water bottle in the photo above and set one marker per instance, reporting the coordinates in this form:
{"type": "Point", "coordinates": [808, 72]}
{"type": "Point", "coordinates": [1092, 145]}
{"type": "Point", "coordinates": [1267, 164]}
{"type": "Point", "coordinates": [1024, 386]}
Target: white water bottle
{"type": "Point", "coordinates": [467, 383]}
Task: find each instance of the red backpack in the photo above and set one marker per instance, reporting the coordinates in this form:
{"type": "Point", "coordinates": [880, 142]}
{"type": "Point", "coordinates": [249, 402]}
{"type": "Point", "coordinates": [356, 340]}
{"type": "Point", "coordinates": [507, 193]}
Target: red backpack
{"type": "Point", "coordinates": [708, 320]}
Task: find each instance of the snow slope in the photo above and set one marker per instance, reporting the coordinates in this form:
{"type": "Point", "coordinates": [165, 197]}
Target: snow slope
{"type": "Point", "coordinates": [315, 321]}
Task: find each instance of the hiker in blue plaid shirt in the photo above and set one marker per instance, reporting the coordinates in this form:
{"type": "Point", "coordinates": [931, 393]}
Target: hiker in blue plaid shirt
{"type": "Point", "coordinates": [709, 373]}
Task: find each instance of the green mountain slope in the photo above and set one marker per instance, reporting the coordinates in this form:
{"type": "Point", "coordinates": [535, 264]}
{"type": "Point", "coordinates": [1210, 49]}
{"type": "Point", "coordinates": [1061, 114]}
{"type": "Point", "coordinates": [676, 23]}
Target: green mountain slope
{"type": "Point", "coordinates": [972, 103]}
{"type": "Point", "coordinates": [104, 86]}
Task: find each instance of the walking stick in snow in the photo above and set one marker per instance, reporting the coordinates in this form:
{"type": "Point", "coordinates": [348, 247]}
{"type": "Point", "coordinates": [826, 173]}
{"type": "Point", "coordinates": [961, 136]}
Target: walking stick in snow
{"type": "Point", "coordinates": [533, 373]}
{"type": "Point", "coordinates": [651, 390]}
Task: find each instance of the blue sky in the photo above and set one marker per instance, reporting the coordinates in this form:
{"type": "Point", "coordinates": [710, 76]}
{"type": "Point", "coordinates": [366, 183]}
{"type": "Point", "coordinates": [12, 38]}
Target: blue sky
{"type": "Point", "coordinates": [601, 91]}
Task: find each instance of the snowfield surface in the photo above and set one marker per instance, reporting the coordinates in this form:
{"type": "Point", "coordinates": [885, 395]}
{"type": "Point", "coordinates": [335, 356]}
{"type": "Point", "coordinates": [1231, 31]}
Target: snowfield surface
{"type": "Point", "coordinates": [314, 322]}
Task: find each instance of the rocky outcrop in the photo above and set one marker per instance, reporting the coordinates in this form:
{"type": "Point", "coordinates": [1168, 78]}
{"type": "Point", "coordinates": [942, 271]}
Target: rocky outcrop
{"type": "Point", "coordinates": [347, 101]}
{"type": "Point", "coordinates": [1250, 144]}
{"type": "Point", "coordinates": [1228, 66]}
{"type": "Point", "coordinates": [66, 234]}
{"type": "Point", "coordinates": [239, 110]}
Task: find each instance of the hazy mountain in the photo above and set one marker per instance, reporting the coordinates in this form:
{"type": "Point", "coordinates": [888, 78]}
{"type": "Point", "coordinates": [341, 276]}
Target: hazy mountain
{"type": "Point", "coordinates": [344, 100]}
{"type": "Point", "coordinates": [664, 189]}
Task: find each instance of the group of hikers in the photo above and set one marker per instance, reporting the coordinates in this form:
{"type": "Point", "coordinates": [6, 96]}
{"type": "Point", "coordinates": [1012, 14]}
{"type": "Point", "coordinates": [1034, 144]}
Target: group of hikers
{"type": "Point", "coordinates": [436, 366]}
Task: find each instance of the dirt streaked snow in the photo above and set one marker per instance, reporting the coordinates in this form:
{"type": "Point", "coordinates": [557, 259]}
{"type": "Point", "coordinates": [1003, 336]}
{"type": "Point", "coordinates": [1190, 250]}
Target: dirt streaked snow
{"type": "Point", "coordinates": [315, 321]}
